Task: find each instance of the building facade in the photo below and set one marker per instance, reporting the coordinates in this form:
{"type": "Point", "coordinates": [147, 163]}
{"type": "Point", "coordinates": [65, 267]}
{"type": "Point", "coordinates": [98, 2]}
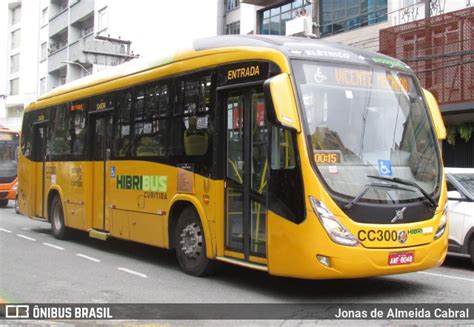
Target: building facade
{"type": "Point", "coordinates": [77, 41]}
{"type": "Point", "coordinates": [51, 42]}
{"type": "Point", "coordinates": [19, 39]}
{"type": "Point", "coordinates": [439, 49]}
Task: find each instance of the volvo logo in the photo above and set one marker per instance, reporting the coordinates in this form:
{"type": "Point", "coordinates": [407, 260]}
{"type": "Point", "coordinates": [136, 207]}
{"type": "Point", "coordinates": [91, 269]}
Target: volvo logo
{"type": "Point", "coordinates": [402, 236]}
{"type": "Point", "coordinates": [398, 215]}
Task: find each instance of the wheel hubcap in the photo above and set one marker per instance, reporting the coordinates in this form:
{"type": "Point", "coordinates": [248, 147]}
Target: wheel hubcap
{"type": "Point", "coordinates": [191, 241]}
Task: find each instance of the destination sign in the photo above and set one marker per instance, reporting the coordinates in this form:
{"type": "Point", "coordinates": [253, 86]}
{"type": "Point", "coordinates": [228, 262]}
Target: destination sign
{"type": "Point", "coordinates": [369, 79]}
{"type": "Point", "coordinates": [362, 78]}
{"type": "Point", "coordinates": [78, 106]}
{"type": "Point", "coordinates": [8, 136]}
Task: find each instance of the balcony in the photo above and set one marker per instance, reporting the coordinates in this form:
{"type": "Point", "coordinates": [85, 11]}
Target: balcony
{"type": "Point", "coordinates": [263, 3]}
{"type": "Point", "coordinates": [58, 23]}
{"type": "Point", "coordinates": [99, 50]}
{"type": "Point", "coordinates": [55, 60]}
{"type": "Point", "coordinates": [81, 9]}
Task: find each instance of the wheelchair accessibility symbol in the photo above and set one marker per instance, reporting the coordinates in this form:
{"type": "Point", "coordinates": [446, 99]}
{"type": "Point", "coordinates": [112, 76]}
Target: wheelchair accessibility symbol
{"type": "Point", "coordinates": [385, 168]}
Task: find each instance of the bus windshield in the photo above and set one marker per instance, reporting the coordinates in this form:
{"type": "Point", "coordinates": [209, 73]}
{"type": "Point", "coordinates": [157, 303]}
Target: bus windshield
{"type": "Point", "coordinates": [363, 122]}
{"type": "Point", "coordinates": [8, 155]}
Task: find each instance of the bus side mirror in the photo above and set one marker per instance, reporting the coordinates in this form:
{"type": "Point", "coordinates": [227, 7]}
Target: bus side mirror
{"type": "Point", "coordinates": [435, 115]}
{"type": "Point", "coordinates": [280, 102]}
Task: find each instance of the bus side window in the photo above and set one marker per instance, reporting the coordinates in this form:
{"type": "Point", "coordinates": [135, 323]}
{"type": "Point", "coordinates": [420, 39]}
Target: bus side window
{"type": "Point", "coordinates": [191, 125]}
{"type": "Point", "coordinates": [26, 137]}
{"type": "Point", "coordinates": [121, 143]}
{"type": "Point", "coordinates": [150, 124]}
{"type": "Point", "coordinates": [198, 132]}
{"type": "Point", "coordinates": [60, 138]}
{"type": "Point", "coordinates": [285, 193]}
{"type": "Point", "coordinates": [77, 128]}
{"type": "Point", "coordinates": [283, 152]}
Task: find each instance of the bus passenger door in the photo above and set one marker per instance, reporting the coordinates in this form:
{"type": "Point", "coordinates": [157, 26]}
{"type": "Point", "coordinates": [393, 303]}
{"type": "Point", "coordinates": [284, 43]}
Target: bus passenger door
{"type": "Point", "coordinates": [246, 175]}
{"type": "Point", "coordinates": [101, 146]}
{"type": "Point", "coordinates": [40, 131]}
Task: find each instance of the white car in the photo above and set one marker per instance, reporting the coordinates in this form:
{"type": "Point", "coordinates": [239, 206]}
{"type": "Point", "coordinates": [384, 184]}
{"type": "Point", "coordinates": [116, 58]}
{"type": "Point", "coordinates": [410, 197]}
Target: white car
{"type": "Point", "coordinates": [461, 210]}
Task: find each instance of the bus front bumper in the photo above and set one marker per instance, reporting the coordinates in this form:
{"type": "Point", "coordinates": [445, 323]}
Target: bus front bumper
{"type": "Point", "coordinates": [363, 262]}
{"type": "Point", "coordinates": [8, 191]}
{"type": "Point", "coordinates": [360, 262]}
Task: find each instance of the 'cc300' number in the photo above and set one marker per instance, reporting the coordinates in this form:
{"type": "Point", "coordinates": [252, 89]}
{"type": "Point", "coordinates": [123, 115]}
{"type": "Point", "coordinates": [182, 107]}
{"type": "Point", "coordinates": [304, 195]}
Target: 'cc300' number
{"type": "Point", "coordinates": [377, 235]}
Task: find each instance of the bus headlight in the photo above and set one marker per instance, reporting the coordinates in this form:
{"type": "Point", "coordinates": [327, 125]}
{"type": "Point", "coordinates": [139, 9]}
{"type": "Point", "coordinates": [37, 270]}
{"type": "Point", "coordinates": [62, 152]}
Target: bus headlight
{"type": "Point", "coordinates": [336, 231]}
{"type": "Point", "coordinates": [15, 187]}
{"type": "Point", "coordinates": [442, 224]}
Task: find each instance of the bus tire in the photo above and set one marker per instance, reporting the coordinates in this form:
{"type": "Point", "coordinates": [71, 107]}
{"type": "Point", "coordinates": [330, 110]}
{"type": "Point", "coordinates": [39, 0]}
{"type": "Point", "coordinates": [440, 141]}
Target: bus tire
{"type": "Point", "coordinates": [3, 203]}
{"type": "Point", "coordinates": [191, 245]}
{"type": "Point", "coordinates": [56, 217]}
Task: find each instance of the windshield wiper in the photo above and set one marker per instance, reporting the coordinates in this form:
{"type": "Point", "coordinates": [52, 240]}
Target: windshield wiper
{"type": "Point", "coordinates": [351, 203]}
{"type": "Point", "coordinates": [409, 183]}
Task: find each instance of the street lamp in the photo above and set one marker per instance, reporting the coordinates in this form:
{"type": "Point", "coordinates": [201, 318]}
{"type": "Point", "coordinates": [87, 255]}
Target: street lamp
{"type": "Point", "coordinates": [76, 63]}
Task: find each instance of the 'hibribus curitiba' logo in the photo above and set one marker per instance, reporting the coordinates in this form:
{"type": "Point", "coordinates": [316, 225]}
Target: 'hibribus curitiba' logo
{"type": "Point", "coordinates": [142, 183]}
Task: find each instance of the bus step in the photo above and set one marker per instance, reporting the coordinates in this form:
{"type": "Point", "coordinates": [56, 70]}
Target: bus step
{"type": "Point", "coordinates": [99, 235]}
{"type": "Point", "coordinates": [243, 263]}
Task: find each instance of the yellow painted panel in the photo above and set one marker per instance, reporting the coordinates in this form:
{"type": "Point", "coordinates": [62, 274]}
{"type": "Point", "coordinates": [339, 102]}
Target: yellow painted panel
{"type": "Point", "coordinates": [146, 228]}
{"type": "Point", "coordinates": [233, 254]}
{"type": "Point", "coordinates": [119, 224]}
{"type": "Point", "coordinates": [258, 260]}
{"type": "Point", "coordinates": [435, 115]}
{"type": "Point", "coordinates": [75, 215]}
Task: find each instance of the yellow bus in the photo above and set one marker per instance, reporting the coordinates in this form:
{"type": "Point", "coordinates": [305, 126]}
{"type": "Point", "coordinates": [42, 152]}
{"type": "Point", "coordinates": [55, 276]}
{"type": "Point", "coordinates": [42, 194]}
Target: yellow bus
{"type": "Point", "coordinates": [287, 155]}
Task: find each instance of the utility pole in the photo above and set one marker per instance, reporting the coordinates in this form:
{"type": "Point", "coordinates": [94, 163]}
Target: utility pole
{"type": "Point", "coordinates": [427, 8]}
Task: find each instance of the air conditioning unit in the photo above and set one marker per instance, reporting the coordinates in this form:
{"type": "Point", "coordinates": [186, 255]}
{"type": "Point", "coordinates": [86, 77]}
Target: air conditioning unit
{"type": "Point", "coordinates": [299, 26]}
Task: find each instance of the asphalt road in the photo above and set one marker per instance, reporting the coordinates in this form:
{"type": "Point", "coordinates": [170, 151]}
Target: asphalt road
{"type": "Point", "coordinates": [35, 267]}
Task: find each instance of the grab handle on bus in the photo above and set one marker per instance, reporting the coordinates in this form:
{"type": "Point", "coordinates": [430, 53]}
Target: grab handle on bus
{"type": "Point", "coordinates": [280, 102]}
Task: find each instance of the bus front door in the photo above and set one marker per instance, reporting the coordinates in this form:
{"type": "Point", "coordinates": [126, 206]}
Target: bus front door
{"type": "Point", "coordinates": [101, 147]}
{"type": "Point", "coordinates": [246, 175]}
{"type": "Point", "coordinates": [40, 131]}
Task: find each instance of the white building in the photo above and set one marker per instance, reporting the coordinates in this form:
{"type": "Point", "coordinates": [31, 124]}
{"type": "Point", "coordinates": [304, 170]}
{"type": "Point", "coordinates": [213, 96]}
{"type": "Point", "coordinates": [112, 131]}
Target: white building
{"type": "Point", "coordinates": [19, 42]}
{"type": "Point", "coordinates": [51, 42]}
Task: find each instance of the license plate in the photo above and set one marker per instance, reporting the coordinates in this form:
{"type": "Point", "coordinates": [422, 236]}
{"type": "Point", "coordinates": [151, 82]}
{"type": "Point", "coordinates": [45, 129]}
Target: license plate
{"type": "Point", "coordinates": [400, 258]}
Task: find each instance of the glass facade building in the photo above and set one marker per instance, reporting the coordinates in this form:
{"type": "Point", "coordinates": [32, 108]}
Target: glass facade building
{"type": "Point", "coordinates": [273, 20]}
{"type": "Point", "coordinates": [335, 15]}
{"type": "Point", "coordinates": [342, 15]}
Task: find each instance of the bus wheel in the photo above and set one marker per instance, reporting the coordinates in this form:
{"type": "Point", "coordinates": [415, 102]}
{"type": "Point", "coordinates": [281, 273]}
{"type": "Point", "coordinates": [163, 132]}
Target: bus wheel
{"type": "Point", "coordinates": [56, 217]}
{"type": "Point", "coordinates": [191, 245]}
{"type": "Point", "coordinates": [3, 203]}
{"type": "Point", "coordinates": [17, 205]}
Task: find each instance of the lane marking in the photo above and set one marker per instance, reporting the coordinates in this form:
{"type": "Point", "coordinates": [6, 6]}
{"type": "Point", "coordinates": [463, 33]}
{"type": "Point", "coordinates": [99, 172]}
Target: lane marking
{"type": "Point", "coordinates": [446, 276]}
{"type": "Point", "coordinates": [26, 237]}
{"type": "Point", "coordinates": [53, 246]}
{"type": "Point", "coordinates": [132, 272]}
{"type": "Point", "coordinates": [25, 228]}
{"type": "Point", "coordinates": [87, 257]}
{"type": "Point", "coordinates": [5, 230]}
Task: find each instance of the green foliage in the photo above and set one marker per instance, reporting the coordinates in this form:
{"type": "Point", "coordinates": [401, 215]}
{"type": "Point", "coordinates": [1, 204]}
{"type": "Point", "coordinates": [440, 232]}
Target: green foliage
{"type": "Point", "coordinates": [465, 132]}
{"type": "Point", "coordinates": [451, 134]}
